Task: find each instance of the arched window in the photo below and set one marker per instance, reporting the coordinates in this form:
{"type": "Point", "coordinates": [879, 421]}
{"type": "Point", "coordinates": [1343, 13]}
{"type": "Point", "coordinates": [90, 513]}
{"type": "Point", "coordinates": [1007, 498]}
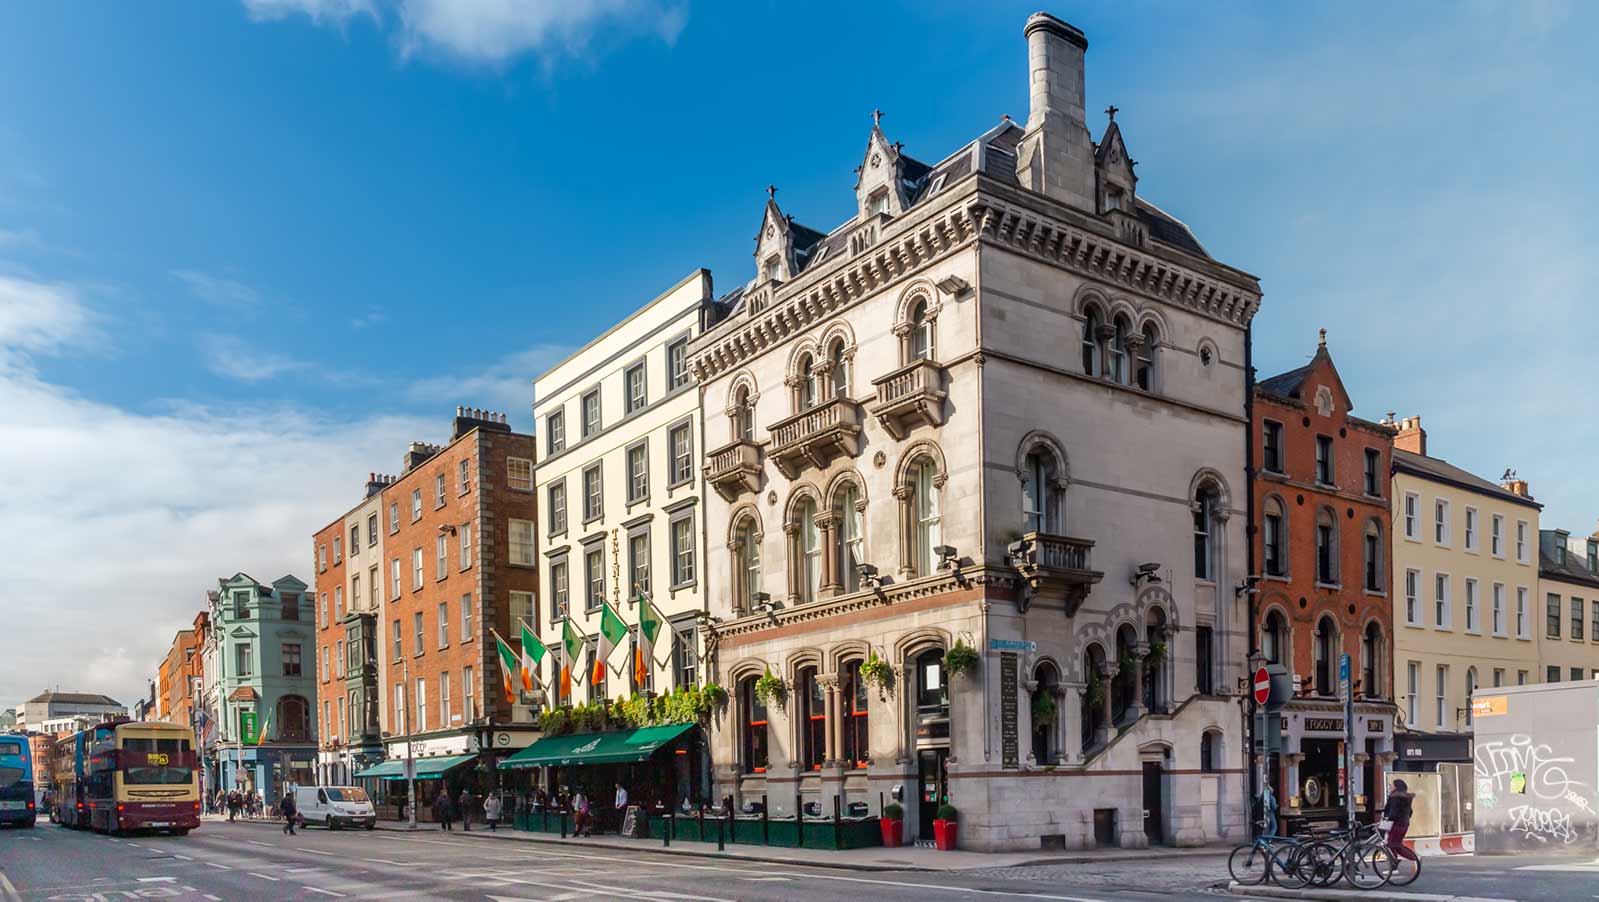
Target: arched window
{"type": "Point", "coordinates": [1154, 663]}
{"type": "Point", "coordinates": [932, 690]}
{"type": "Point", "coordinates": [812, 720]}
{"type": "Point", "coordinates": [925, 510]}
{"type": "Point", "coordinates": [851, 544]}
{"type": "Point", "coordinates": [807, 396]}
{"type": "Point", "coordinates": [1471, 686]}
{"type": "Point", "coordinates": [1326, 547]}
{"type": "Point", "coordinates": [1121, 697]}
{"type": "Point", "coordinates": [749, 563]}
{"type": "Point", "coordinates": [1206, 503]}
{"type": "Point", "coordinates": [1091, 353]}
{"type": "Point", "coordinates": [1118, 351]}
{"type": "Point", "coordinates": [1093, 698]}
{"type": "Point", "coordinates": [1045, 715]}
{"type": "Point", "coordinates": [1144, 373]}
{"type": "Point", "coordinates": [743, 416]}
{"type": "Point", "coordinates": [921, 333]}
{"type": "Point", "coordinates": [1039, 512]}
{"type": "Point", "coordinates": [1373, 555]}
{"type": "Point", "coordinates": [1209, 751]}
{"type": "Point", "coordinates": [1325, 651]}
{"type": "Point", "coordinates": [810, 548]}
{"type": "Point", "coordinates": [840, 370]}
{"type": "Point", "coordinates": [754, 735]}
{"type": "Point", "coordinates": [1370, 653]}
{"type": "Point", "coordinates": [1274, 538]}
{"type": "Point", "coordinates": [1274, 639]}
{"type": "Point", "coordinates": [857, 732]}
{"type": "Point", "coordinates": [294, 724]}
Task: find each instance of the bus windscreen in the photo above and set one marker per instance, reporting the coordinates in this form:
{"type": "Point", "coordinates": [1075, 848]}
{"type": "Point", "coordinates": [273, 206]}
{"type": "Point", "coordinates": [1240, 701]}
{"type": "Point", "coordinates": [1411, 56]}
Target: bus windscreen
{"type": "Point", "coordinates": [156, 762]}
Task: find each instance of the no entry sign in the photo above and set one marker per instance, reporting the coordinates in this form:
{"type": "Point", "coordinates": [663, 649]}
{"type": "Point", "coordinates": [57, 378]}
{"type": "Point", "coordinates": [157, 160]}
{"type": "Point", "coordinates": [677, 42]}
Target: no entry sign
{"type": "Point", "coordinates": [1262, 686]}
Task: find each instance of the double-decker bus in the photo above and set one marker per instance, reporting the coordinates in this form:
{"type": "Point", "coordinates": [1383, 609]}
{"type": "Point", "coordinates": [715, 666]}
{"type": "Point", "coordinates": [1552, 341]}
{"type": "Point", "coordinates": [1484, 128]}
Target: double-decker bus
{"type": "Point", "coordinates": [16, 781]}
{"type": "Point", "coordinates": [69, 773]}
{"type": "Point", "coordinates": [141, 776]}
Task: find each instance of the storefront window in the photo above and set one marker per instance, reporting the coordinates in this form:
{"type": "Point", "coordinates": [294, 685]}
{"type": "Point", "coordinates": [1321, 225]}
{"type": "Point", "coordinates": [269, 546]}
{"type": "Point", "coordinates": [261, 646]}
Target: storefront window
{"type": "Point", "coordinates": [754, 728]}
{"type": "Point", "coordinates": [813, 719]}
{"type": "Point", "coordinates": [856, 733]}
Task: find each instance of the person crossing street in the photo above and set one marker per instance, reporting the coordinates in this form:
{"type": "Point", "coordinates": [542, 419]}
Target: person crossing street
{"type": "Point", "coordinates": [290, 812]}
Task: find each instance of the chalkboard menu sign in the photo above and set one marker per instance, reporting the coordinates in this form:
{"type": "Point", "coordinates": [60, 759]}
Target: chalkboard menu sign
{"type": "Point", "coordinates": [630, 823]}
{"type": "Point", "coordinates": [1010, 748]}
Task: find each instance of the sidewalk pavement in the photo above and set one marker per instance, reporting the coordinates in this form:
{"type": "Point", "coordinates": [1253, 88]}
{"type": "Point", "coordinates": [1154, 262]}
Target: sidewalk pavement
{"type": "Point", "coordinates": [1383, 894]}
{"type": "Point", "coordinates": [905, 858]}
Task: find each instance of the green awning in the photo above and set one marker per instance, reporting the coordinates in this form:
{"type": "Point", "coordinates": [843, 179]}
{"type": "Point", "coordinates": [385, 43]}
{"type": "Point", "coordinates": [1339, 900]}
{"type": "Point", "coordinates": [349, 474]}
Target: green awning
{"type": "Point", "coordinates": [426, 768]}
{"type": "Point", "coordinates": [618, 747]}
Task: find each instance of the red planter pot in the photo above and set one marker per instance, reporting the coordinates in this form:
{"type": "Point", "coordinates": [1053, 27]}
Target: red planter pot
{"type": "Point", "coordinates": [893, 832]}
{"type": "Point", "coordinates": [944, 834]}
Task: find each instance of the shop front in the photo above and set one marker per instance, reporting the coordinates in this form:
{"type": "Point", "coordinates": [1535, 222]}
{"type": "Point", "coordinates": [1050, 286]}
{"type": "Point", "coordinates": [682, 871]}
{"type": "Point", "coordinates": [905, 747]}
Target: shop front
{"type": "Point", "coordinates": [387, 783]}
{"type": "Point", "coordinates": [1311, 775]}
{"type": "Point", "coordinates": [663, 768]}
{"type": "Point", "coordinates": [267, 769]}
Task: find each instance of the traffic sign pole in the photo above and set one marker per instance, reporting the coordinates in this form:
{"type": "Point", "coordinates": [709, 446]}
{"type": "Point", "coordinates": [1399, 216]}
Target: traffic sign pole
{"type": "Point", "coordinates": [1346, 689]}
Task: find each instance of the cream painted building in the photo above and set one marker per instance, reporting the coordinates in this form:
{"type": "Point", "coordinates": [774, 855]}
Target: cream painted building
{"type": "Point", "coordinates": [1465, 577]}
{"type": "Point", "coordinates": [1001, 408]}
{"type": "Point", "coordinates": [1568, 590]}
{"type": "Point", "coordinates": [620, 494]}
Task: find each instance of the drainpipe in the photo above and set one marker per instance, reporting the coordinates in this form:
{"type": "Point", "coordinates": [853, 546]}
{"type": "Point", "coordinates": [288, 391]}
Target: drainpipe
{"type": "Point", "coordinates": [1252, 784]}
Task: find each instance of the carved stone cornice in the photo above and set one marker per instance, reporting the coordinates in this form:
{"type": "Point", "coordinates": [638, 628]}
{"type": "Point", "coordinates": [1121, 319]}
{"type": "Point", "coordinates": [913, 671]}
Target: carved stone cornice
{"type": "Point", "coordinates": [866, 599]}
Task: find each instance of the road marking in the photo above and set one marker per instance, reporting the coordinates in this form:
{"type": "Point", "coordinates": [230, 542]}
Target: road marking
{"type": "Point", "coordinates": [325, 892]}
{"type": "Point", "coordinates": [213, 898]}
{"type": "Point", "coordinates": [765, 879]}
{"type": "Point", "coordinates": [134, 845]}
{"type": "Point", "coordinates": [615, 891]}
{"type": "Point", "coordinates": [401, 864]}
{"type": "Point", "coordinates": [6, 889]}
{"type": "Point", "coordinates": [184, 857]}
{"type": "Point", "coordinates": [263, 876]}
{"type": "Point", "coordinates": [256, 842]}
{"type": "Point", "coordinates": [315, 852]}
{"type": "Point", "coordinates": [158, 879]}
{"type": "Point", "coordinates": [220, 867]}
{"type": "Point", "coordinates": [300, 870]}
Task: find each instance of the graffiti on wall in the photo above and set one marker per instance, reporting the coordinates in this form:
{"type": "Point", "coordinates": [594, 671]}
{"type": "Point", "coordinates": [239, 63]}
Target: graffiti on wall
{"type": "Point", "coordinates": [1538, 786]}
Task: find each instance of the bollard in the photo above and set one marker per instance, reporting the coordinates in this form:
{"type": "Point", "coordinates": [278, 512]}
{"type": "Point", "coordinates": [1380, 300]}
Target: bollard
{"type": "Point", "coordinates": [838, 825]}
{"type": "Point", "coordinates": [731, 836]}
{"type": "Point", "coordinates": [702, 821]}
{"type": "Point", "coordinates": [719, 845]}
{"type": "Point", "coordinates": [766, 822]}
{"type": "Point", "coordinates": [563, 823]}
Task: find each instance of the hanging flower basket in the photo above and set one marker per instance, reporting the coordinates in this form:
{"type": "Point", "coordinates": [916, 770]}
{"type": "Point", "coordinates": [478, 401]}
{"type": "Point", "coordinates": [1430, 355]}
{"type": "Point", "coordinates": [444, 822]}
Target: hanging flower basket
{"type": "Point", "coordinates": [1096, 690]}
{"type": "Point", "coordinates": [961, 659]}
{"type": "Point", "coordinates": [876, 672]}
{"type": "Point", "coordinates": [1044, 708]}
{"type": "Point", "coordinates": [1157, 654]}
{"type": "Point", "coordinates": [769, 689]}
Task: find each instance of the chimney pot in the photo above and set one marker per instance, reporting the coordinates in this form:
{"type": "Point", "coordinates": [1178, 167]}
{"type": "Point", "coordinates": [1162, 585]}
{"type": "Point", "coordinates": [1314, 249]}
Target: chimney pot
{"type": "Point", "coordinates": [1057, 153]}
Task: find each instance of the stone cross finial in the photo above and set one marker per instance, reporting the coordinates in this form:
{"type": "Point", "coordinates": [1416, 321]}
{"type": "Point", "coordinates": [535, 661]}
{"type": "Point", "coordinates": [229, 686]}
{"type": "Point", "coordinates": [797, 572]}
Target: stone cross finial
{"type": "Point", "coordinates": [1111, 111]}
{"type": "Point", "coordinates": [771, 192]}
{"type": "Point", "coordinates": [1322, 341]}
{"type": "Point", "coordinates": [877, 117]}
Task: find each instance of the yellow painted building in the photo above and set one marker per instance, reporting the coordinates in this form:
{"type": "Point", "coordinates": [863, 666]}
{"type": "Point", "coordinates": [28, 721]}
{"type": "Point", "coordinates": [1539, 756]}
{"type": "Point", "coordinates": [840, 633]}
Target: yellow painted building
{"type": "Point", "coordinates": [1465, 573]}
{"type": "Point", "coordinates": [1568, 596]}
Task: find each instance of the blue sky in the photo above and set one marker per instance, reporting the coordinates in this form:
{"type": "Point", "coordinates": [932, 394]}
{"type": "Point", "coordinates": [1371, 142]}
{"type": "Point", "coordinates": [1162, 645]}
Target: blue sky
{"type": "Point", "coordinates": [249, 249]}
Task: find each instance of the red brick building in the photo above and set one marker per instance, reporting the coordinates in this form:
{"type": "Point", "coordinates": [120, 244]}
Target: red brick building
{"type": "Point", "coordinates": [1320, 477]}
{"type": "Point", "coordinates": [175, 678]}
{"type": "Point", "coordinates": [458, 560]}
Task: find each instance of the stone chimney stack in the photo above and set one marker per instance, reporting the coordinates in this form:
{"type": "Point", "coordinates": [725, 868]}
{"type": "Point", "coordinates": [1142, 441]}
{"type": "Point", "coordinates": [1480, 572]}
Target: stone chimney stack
{"type": "Point", "coordinates": [1056, 156]}
{"type": "Point", "coordinates": [1411, 436]}
{"type": "Point", "coordinates": [1516, 487]}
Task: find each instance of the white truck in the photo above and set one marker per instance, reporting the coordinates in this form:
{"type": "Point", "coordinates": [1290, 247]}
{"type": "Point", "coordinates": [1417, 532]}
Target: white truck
{"type": "Point", "coordinates": [335, 806]}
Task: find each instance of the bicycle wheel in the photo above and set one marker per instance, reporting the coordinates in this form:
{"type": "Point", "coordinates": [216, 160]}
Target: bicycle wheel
{"type": "Point", "coordinates": [1368, 867]}
{"type": "Point", "coordinates": [1406, 869]}
{"type": "Point", "coordinates": [1319, 864]}
{"type": "Point", "coordinates": [1247, 864]}
{"type": "Point", "coordinates": [1285, 866]}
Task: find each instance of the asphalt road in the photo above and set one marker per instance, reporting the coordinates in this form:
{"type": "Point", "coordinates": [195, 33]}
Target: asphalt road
{"type": "Point", "coordinates": [256, 861]}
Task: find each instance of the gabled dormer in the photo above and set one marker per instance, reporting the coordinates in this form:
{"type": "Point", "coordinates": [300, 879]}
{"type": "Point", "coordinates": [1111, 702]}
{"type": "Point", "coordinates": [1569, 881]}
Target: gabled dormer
{"type": "Point", "coordinates": [1114, 180]}
{"type": "Point", "coordinates": [880, 182]}
{"type": "Point", "coordinates": [774, 244]}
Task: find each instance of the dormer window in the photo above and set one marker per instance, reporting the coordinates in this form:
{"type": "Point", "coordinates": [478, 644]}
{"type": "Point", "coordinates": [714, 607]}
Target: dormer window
{"type": "Point", "coordinates": [877, 204]}
{"type": "Point", "coordinates": [1113, 199]}
{"type": "Point", "coordinates": [769, 269]}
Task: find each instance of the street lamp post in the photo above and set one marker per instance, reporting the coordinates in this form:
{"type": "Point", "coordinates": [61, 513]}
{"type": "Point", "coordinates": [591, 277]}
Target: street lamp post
{"type": "Point", "coordinates": [410, 757]}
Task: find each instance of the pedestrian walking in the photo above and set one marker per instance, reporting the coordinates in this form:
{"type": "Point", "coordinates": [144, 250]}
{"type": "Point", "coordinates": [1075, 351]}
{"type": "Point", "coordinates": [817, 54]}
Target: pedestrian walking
{"type": "Point", "coordinates": [1397, 811]}
{"type": "Point", "coordinates": [1268, 810]}
{"type": "Point", "coordinates": [491, 812]}
{"type": "Point", "coordinates": [583, 823]}
{"type": "Point", "coordinates": [466, 809]}
{"type": "Point", "coordinates": [233, 805]}
{"type": "Point", "coordinates": [441, 809]}
{"type": "Point", "coordinates": [290, 812]}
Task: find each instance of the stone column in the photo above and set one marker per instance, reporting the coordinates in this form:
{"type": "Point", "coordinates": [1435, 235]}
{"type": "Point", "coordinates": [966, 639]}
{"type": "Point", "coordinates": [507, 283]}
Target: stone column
{"type": "Point", "coordinates": [907, 530]}
{"type": "Point", "coordinates": [1356, 778]}
{"type": "Point", "coordinates": [1291, 761]}
{"type": "Point", "coordinates": [1107, 673]}
{"type": "Point", "coordinates": [795, 562]}
{"type": "Point", "coordinates": [1070, 707]}
{"type": "Point", "coordinates": [740, 599]}
{"type": "Point", "coordinates": [1135, 709]}
{"type": "Point", "coordinates": [827, 526]}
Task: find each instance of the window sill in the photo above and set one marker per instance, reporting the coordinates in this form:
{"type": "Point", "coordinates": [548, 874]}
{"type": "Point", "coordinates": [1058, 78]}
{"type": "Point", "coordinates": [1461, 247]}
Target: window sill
{"type": "Point", "coordinates": [1415, 625]}
{"type": "Point", "coordinates": [1444, 629]}
{"type": "Point", "coordinates": [1331, 586]}
{"type": "Point", "coordinates": [1376, 593]}
{"type": "Point", "coordinates": [680, 483]}
{"type": "Point", "coordinates": [1278, 577]}
{"type": "Point", "coordinates": [1412, 539]}
{"type": "Point", "coordinates": [527, 566]}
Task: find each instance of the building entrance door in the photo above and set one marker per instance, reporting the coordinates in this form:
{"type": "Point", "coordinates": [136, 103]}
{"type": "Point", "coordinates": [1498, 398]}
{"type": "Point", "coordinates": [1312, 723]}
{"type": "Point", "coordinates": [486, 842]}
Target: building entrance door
{"type": "Point", "coordinates": [1154, 807]}
{"type": "Point", "coordinates": [932, 786]}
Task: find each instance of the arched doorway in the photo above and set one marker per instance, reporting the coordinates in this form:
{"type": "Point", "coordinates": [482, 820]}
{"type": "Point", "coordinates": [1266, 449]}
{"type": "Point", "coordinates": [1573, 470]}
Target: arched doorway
{"type": "Point", "coordinates": [1046, 715]}
{"type": "Point", "coordinates": [931, 736]}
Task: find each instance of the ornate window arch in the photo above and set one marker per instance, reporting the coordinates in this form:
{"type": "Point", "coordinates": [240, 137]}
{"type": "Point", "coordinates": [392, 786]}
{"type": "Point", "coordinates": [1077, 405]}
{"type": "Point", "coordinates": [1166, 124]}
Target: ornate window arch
{"type": "Point", "coordinates": [1274, 539]}
{"type": "Point", "coordinates": [1327, 551]}
{"type": "Point", "coordinates": [1210, 750]}
{"type": "Point", "coordinates": [1119, 348]}
{"type": "Point", "coordinates": [1093, 340]}
{"type": "Point", "coordinates": [1045, 698]}
{"type": "Point", "coordinates": [838, 356]}
{"type": "Point", "coordinates": [916, 323]}
{"type": "Point", "coordinates": [741, 398]}
{"type": "Point", "coordinates": [294, 719]}
{"type": "Point", "coordinates": [846, 531]}
{"type": "Point", "coordinates": [1043, 469]}
{"type": "Point", "coordinates": [854, 708]}
{"type": "Point", "coordinates": [801, 526]}
{"type": "Point", "coordinates": [1372, 553]}
{"type": "Point", "coordinates": [1095, 709]}
{"type": "Point", "coordinates": [803, 378]}
{"type": "Point", "coordinates": [1146, 354]}
{"type": "Point", "coordinates": [744, 540]}
{"type": "Point", "coordinates": [918, 487]}
{"type": "Point", "coordinates": [1276, 636]}
{"type": "Point", "coordinates": [1324, 651]}
{"type": "Point", "coordinates": [1208, 505]}
{"type": "Point", "coordinates": [1371, 659]}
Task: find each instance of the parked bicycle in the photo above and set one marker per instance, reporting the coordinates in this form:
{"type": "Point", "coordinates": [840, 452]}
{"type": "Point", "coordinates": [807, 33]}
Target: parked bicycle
{"type": "Point", "coordinates": [1268, 857]}
{"type": "Point", "coordinates": [1360, 856]}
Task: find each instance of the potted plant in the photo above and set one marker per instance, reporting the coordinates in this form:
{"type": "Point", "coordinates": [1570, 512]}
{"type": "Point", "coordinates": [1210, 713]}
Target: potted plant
{"type": "Point", "coordinates": [1044, 708]}
{"type": "Point", "coordinates": [769, 688]}
{"type": "Point", "coordinates": [876, 672]}
{"type": "Point", "coordinates": [1096, 690]}
{"type": "Point", "coordinates": [1157, 653]}
{"type": "Point", "coordinates": [944, 833]}
{"type": "Point", "coordinates": [961, 659]}
{"type": "Point", "coordinates": [892, 824]}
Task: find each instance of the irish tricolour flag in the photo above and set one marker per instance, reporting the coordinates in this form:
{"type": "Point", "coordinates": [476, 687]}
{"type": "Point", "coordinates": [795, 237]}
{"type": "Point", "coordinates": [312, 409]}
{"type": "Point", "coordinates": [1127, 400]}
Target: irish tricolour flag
{"type": "Point", "coordinates": [571, 654]}
{"type": "Point", "coordinates": [612, 633]}
{"type": "Point", "coordinates": [533, 654]}
{"type": "Point", "coordinates": [649, 626]}
{"type": "Point", "coordinates": [509, 667]}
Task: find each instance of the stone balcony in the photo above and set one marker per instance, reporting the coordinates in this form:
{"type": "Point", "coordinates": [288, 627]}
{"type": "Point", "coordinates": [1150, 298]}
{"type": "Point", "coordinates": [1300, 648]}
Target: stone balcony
{"type": "Point", "coordinates": [1058, 569]}
{"type": "Point", "coordinates": [814, 437]}
{"type": "Point", "coordinates": [910, 396]}
{"type": "Point", "coordinates": [734, 469]}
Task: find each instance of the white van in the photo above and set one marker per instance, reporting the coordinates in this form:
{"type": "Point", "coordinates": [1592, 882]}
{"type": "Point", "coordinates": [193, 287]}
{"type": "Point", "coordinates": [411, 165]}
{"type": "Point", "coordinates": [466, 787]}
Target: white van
{"type": "Point", "coordinates": [335, 806]}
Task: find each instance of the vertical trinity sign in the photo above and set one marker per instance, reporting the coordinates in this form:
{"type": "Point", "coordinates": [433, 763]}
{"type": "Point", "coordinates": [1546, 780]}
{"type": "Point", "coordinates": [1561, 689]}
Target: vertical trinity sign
{"type": "Point", "coordinates": [1009, 744]}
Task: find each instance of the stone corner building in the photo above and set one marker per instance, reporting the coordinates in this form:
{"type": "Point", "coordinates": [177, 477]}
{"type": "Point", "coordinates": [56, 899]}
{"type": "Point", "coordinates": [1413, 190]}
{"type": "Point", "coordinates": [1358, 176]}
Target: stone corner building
{"type": "Point", "coordinates": [1003, 406]}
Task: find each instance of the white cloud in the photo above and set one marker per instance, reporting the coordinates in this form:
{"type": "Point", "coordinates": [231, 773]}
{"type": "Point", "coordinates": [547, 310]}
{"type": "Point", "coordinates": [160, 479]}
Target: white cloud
{"type": "Point", "coordinates": [130, 517]}
{"type": "Point", "coordinates": [235, 358]}
{"type": "Point", "coordinates": [216, 290]}
{"type": "Point", "coordinates": [492, 32]}
{"type": "Point", "coordinates": [505, 386]}
{"type": "Point", "coordinates": [372, 317]}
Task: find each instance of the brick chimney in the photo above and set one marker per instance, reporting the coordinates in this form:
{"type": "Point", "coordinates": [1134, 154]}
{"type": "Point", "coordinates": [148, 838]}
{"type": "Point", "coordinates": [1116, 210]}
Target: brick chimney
{"type": "Point", "coordinates": [1516, 487]}
{"type": "Point", "coordinates": [1056, 156]}
{"type": "Point", "coordinates": [1411, 436]}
